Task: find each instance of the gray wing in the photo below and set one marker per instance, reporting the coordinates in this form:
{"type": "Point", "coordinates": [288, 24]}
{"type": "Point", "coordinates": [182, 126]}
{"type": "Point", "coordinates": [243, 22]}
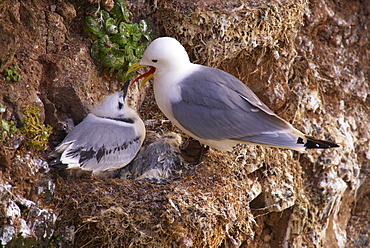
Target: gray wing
{"type": "Point", "coordinates": [98, 145]}
{"type": "Point", "coordinates": [215, 105]}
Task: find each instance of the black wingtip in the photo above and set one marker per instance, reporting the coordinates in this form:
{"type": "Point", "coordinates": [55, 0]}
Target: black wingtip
{"type": "Point", "coordinates": [319, 144]}
{"type": "Point", "coordinates": [57, 164]}
{"type": "Point", "coordinates": [125, 88]}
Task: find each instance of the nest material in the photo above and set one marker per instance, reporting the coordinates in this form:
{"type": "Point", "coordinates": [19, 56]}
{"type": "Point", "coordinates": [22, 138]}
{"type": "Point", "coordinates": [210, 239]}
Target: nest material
{"type": "Point", "coordinates": [208, 206]}
{"type": "Point", "coordinates": [201, 209]}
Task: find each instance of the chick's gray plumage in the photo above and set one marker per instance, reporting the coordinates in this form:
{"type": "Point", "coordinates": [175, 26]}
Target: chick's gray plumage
{"type": "Point", "coordinates": [158, 161]}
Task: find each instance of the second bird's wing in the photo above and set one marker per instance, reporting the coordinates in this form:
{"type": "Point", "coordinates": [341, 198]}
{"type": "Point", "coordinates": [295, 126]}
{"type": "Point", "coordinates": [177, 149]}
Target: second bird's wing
{"type": "Point", "coordinates": [217, 106]}
{"type": "Point", "coordinates": [98, 144]}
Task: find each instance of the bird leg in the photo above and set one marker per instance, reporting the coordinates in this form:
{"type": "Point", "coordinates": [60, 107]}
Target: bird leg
{"type": "Point", "coordinates": [193, 152]}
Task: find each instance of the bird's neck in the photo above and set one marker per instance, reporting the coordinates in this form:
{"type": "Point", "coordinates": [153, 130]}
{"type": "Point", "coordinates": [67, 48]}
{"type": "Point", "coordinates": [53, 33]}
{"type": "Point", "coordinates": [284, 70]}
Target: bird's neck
{"type": "Point", "coordinates": [167, 87]}
{"type": "Point", "coordinates": [175, 69]}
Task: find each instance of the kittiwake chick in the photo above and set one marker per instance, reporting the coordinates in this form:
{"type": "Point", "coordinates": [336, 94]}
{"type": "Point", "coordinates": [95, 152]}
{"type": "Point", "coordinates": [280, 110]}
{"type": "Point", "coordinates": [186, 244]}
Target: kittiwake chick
{"type": "Point", "coordinates": [158, 161]}
{"type": "Point", "coordinates": [106, 140]}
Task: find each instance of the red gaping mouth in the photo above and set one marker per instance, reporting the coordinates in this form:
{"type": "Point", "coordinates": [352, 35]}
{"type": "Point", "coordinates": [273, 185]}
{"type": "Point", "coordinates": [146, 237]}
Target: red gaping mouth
{"type": "Point", "coordinates": [148, 75]}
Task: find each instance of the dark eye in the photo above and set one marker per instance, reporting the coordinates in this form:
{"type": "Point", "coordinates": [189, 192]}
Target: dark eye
{"type": "Point", "coordinates": [154, 60]}
{"type": "Point", "coordinates": [120, 105]}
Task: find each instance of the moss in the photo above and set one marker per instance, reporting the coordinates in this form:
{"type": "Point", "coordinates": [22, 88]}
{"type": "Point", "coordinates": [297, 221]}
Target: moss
{"type": "Point", "coordinates": [119, 43]}
{"type": "Point", "coordinates": [11, 75]}
{"type": "Point", "coordinates": [36, 132]}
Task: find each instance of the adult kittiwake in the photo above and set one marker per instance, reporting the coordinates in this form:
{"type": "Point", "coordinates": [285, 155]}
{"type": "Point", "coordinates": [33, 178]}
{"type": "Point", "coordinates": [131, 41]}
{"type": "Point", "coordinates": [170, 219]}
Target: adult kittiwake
{"type": "Point", "coordinates": [213, 106]}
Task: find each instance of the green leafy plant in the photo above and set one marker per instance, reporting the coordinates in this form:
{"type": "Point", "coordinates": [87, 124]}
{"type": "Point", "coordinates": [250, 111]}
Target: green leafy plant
{"type": "Point", "coordinates": [11, 75]}
{"type": "Point", "coordinates": [36, 132]}
{"type": "Point", "coordinates": [7, 128]}
{"type": "Point", "coordinates": [119, 43]}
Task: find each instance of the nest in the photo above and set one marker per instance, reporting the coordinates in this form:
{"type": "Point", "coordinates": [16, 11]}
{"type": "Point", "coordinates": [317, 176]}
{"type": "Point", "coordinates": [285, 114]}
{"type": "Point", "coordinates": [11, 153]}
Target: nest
{"type": "Point", "coordinates": [210, 205]}
{"type": "Point", "coordinates": [200, 209]}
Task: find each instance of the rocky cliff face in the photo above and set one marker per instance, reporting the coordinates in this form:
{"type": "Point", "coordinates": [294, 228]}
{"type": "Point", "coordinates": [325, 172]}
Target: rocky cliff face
{"type": "Point", "coordinates": [308, 61]}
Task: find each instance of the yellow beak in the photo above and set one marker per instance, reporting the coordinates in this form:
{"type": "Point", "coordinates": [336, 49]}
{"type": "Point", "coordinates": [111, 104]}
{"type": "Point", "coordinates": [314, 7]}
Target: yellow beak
{"type": "Point", "coordinates": [135, 67]}
{"type": "Point", "coordinates": [147, 76]}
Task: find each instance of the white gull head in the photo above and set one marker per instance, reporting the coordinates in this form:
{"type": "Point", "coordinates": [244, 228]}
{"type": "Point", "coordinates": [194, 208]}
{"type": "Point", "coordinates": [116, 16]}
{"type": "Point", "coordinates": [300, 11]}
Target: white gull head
{"type": "Point", "coordinates": [114, 106]}
{"type": "Point", "coordinates": [166, 54]}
